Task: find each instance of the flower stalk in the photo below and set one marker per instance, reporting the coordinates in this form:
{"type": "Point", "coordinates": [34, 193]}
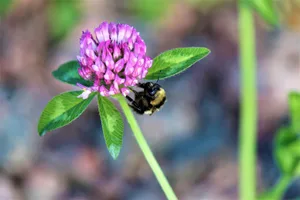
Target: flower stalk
{"type": "Point", "coordinates": [248, 121]}
{"type": "Point", "coordinates": [146, 150]}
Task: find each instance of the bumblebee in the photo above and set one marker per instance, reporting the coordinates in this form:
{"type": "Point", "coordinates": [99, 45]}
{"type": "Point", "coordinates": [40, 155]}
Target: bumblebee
{"type": "Point", "coordinates": [148, 101]}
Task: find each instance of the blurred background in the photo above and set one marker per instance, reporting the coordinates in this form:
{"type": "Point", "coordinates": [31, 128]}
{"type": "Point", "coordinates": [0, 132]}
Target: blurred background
{"type": "Point", "coordinates": [194, 136]}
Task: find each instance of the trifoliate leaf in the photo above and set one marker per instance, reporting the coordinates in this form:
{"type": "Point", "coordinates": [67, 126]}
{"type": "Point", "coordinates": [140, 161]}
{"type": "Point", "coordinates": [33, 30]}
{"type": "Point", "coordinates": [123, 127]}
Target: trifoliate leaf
{"type": "Point", "coordinates": [62, 110]}
{"type": "Point", "coordinates": [112, 125]}
{"type": "Point", "coordinates": [68, 73]}
{"type": "Point", "coordinates": [174, 61]}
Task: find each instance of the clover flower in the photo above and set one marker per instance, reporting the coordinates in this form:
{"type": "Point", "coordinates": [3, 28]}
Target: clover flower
{"type": "Point", "coordinates": [113, 60]}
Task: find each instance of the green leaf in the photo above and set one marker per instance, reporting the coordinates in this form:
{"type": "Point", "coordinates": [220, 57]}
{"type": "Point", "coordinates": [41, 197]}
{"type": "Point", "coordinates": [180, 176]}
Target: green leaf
{"type": "Point", "coordinates": [62, 110]}
{"type": "Point", "coordinates": [268, 195]}
{"type": "Point", "coordinates": [294, 107]}
{"type": "Point", "coordinates": [62, 17]}
{"type": "Point", "coordinates": [287, 154]}
{"type": "Point", "coordinates": [265, 9]}
{"type": "Point", "coordinates": [5, 7]}
{"type": "Point", "coordinates": [174, 61]}
{"type": "Point", "coordinates": [147, 10]}
{"type": "Point", "coordinates": [68, 73]}
{"type": "Point", "coordinates": [112, 125]}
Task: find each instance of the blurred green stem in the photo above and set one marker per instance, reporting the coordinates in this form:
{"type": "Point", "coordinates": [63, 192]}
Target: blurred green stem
{"type": "Point", "coordinates": [247, 137]}
{"type": "Point", "coordinates": [277, 192]}
{"type": "Point", "coordinates": [146, 150]}
{"type": "Point", "coordinates": [280, 187]}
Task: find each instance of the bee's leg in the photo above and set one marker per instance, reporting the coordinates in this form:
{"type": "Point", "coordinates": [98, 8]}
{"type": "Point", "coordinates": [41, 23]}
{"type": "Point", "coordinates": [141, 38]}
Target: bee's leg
{"type": "Point", "coordinates": [134, 105]}
{"type": "Point", "coordinates": [136, 109]}
{"type": "Point", "coordinates": [129, 99]}
{"type": "Point", "coordinates": [132, 90]}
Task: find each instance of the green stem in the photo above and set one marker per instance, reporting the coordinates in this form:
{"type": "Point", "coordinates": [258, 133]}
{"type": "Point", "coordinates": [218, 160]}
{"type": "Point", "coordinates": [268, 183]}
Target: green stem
{"type": "Point", "coordinates": [277, 192]}
{"type": "Point", "coordinates": [281, 186]}
{"type": "Point", "coordinates": [247, 143]}
{"type": "Point", "coordinates": [147, 151]}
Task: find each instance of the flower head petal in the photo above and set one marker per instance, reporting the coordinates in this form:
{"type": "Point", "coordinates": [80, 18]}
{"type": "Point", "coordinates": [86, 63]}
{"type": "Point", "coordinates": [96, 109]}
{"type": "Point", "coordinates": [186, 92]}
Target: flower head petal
{"type": "Point", "coordinates": [85, 94]}
{"type": "Point", "coordinates": [125, 91]}
{"type": "Point", "coordinates": [113, 60]}
{"type": "Point", "coordinates": [103, 91]}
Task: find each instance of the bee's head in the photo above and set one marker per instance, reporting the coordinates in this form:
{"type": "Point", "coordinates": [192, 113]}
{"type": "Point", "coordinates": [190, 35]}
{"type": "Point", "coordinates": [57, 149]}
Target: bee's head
{"type": "Point", "coordinates": [152, 88]}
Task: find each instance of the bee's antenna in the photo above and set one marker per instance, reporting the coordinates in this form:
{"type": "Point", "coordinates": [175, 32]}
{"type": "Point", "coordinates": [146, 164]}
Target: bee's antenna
{"type": "Point", "coordinates": [158, 77]}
